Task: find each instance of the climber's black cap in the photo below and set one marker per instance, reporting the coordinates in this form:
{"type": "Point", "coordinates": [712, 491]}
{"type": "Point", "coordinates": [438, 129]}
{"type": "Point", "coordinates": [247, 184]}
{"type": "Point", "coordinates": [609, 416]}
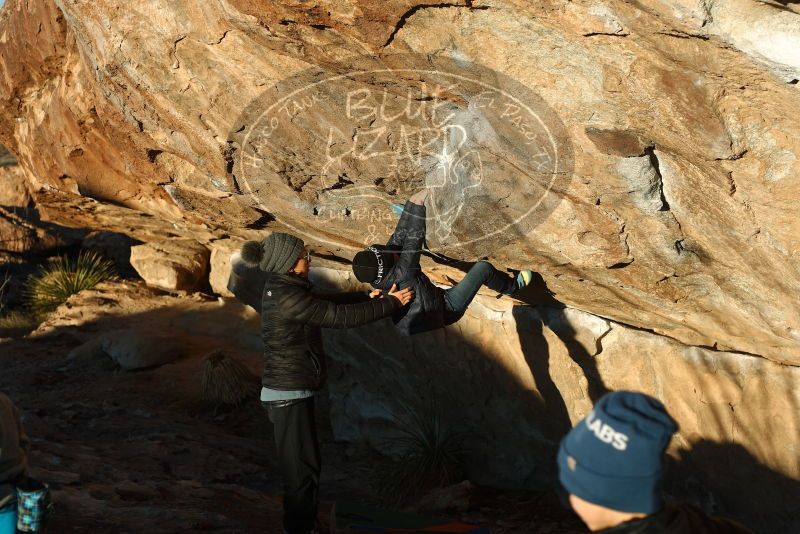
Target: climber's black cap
{"type": "Point", "coordinates": [372, 265]}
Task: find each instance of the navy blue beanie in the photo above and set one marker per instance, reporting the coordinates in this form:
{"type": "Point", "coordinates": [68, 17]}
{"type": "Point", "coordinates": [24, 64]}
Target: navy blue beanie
{"type": "Point", "coordinates": [615, 456]}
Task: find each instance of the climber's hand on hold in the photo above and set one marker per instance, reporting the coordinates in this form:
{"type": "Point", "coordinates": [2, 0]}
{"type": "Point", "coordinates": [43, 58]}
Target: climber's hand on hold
{"type": "Point", "coordinates": [376, 294]}
{"type": "Point", "coordinates": [419, 197]}
{"type": "Point", "coordinates": [403, 296]}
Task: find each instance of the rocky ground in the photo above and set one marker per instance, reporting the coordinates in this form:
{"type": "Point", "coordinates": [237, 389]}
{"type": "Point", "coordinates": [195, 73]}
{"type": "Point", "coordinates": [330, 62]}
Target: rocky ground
{"type": "Point", "coordinates": [665, 134]}
{"type": "Point", "coordinates": [139, 451]}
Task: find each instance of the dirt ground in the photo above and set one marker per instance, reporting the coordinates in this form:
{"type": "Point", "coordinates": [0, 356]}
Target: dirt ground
{"type": "Point", "coordinates": [139, 452]}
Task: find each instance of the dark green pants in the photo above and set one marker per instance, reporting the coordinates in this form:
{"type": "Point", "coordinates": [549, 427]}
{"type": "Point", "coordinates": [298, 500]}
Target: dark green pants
{"type": "Point", "coordinates": [299, 458]}
{"type": "Point", "coordinates": [458, 298]}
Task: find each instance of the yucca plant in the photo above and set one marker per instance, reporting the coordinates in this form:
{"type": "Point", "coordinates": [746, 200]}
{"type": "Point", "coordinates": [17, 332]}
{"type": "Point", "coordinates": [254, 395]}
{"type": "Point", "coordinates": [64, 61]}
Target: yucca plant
{"type": "Point", "coordinates": [63, 277]}
{"type": "Point", "coordinates": [226, 381]}
{"type": "Point", "coordinates": [432, 455]}
{"type": "Point", "coordinates": [3, 288]}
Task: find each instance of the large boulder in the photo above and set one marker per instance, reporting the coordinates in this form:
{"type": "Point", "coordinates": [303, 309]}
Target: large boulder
{"type": "Point", "coordinates": [220, 264]}
{"type": "Point", "coordinates": [135, 349]}
{"type": "Point", "coordinates": [129, 349]}
{"type": "Point", "coordinates": [174, 265]}
{"type": "Point", "coordinates": [242, 112]}
{"type": "Point", "coordinates": [14, 187]}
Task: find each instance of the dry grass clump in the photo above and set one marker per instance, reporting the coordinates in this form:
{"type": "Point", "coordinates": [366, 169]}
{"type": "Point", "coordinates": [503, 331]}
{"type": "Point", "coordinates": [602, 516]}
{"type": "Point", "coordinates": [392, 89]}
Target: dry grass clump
{"type": "Point", "coordinates": [18, 323]}
{"type": "Point", "coordinates": [4, 282]}
{"type": "Point", "coordinates": [225, 380]}
{"type": "Point", "coordinates": [432, 455]}
{"type": "Point", "coordinates": [14, 323]}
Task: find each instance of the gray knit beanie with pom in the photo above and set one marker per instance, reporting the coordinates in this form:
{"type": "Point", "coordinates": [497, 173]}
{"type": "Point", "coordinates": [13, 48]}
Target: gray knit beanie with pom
{"type": "Point", "coordinates": [275, 254]}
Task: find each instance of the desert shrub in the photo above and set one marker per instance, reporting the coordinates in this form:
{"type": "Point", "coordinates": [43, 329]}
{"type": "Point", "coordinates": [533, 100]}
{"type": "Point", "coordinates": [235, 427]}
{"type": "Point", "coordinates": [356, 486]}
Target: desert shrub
{"type": "Point", "coordinates": [14, 323]}
{"type": "Point", "coordinates": [4, 282]}
{"type": "Point", "coordinates": [18, 323]}
{"type": "Point", "coordinates": [225, 380]}
{"type": "Point", "coordinates": [432, 455]}
{"type": "Point", "coordinates": [63, 277]}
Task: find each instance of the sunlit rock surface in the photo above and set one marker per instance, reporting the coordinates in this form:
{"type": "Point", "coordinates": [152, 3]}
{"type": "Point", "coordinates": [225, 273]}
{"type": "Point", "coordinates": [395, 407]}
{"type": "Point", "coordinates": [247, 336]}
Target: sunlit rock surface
{"type": "Point", "coordinates": [162, 106]}
{"type": "Point", "coordinates": [171, 264]}
{"type": "Point", "coordinates": [14, 191]}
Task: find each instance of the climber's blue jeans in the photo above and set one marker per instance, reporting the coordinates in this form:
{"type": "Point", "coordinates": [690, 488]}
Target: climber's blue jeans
{"type": "Point", "coordinates": [458, 298]}
{"type": "Point", "coordinates": [8, 519]}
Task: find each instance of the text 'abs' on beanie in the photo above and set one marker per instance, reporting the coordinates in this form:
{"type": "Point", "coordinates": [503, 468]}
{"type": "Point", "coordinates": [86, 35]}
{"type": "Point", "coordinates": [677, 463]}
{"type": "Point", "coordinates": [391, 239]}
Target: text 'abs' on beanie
{"type": "Point", "coordinates": [615, 456]}
{"type": "Point", "coordinates": [276, 254]}
{"type": "Point", "coordinates": [372, 264]}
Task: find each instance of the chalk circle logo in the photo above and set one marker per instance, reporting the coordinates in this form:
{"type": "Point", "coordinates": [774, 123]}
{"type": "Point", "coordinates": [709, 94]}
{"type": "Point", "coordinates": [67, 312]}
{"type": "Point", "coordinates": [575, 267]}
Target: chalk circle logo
{"type": "Point", "coordinates": [333, 153]}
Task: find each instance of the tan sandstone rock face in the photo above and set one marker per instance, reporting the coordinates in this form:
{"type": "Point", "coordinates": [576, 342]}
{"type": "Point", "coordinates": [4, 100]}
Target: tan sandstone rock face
{"type": "Point", "coordinates": [19, 235]}
{"type": "Point", "coordinates": [220, 264]}
{"type": "Point", "coordinates": [767, 30]}
{"type": "Point", "coordinates": [171, 264]}
{"type": "Point", "coordinates": [14, 187]}
{"type": "Point", "coordinates": [645, 163]}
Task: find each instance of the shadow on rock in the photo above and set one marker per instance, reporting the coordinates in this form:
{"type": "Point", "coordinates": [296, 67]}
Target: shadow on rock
{"type": "Point", "coordinates": [726, 479]}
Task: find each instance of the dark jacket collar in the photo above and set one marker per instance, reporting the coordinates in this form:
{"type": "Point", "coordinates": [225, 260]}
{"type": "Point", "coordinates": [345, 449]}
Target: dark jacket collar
{"type": "Point", "coordinates": [288, 278]}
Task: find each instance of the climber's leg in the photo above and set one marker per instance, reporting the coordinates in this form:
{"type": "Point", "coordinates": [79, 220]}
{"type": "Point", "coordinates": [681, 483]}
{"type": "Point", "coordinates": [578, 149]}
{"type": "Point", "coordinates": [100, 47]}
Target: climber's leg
{"type": "Point", "coordinates": [458, 298]}
{"type": "Point", "coordinates": [299, 457]}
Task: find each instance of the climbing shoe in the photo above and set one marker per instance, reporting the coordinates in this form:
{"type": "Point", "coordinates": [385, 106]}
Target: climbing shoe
{"type": "Point", "coordinates": [522, 279]}
{"type": "Point", "coordinates": [397, 209]}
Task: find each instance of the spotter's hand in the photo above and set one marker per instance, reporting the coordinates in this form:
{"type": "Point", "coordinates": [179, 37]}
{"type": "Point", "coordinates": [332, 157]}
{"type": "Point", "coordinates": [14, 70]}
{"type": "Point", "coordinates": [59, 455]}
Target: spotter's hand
{"type": "Point", "coordinates": [404, 296]}
{"type": "Point", "coordinates": [376, 294]}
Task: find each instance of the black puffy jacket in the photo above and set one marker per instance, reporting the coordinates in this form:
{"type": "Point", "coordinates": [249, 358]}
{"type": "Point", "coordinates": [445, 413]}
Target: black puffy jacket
{"type": "Point", "coordinates": [426, 311]}
{"type": "Point", "coordinates": [678, 519]}
{"type": "Point", "coordinates": [291, 321]}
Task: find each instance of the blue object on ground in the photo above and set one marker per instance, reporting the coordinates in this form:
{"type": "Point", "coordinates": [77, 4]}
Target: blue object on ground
{"type": "Point", "coordinates": [8, 519]}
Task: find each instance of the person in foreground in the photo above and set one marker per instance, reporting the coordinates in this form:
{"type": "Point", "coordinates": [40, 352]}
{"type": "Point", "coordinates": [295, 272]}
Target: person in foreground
{"type": "Point", "coordinates": [14, 449]}
{"type": "Point", "coordinates": [397, 263]}
{"type": "Point", "coordinates": [292, 317]}
{"type": "Point", "coordinates": [612, 464]}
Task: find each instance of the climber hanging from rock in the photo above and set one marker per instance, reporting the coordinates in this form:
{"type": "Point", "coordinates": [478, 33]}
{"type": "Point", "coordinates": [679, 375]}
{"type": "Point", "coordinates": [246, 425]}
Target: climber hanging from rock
{"type": "Point", "coordinates": [397, 264]}
{"type": "Point", "coordinates": [272, 277]}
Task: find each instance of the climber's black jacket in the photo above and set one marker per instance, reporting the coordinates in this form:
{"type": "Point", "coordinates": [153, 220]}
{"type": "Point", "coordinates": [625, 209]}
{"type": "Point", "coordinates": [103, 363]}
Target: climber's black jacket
{"type": "Point", "coordinates": [678, 519]}
{"type": "Point", "coordinates": [291, 321]}
{"type": "Point", "coordinates": [426, 311]}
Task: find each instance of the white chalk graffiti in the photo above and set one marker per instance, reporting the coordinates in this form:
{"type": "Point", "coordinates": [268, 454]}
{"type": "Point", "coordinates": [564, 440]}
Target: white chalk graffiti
{"type": "Point", "coordinates": [349, 147]}
{"type": "Point", "coordinates": [442, 152]}
{"type": "Point", "coordinates": [457, 172]}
